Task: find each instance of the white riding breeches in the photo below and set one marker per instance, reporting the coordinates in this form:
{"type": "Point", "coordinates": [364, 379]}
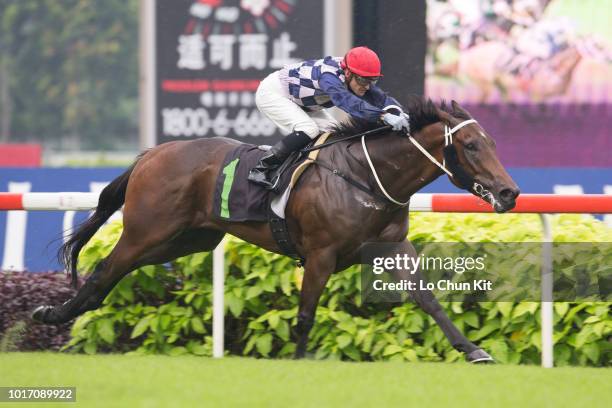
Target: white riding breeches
{"type": "Point", "coordinates": [288, 116]}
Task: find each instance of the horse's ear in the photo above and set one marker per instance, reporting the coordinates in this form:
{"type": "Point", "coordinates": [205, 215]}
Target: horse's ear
{"type": "Point", "coordinates": [459, 109]}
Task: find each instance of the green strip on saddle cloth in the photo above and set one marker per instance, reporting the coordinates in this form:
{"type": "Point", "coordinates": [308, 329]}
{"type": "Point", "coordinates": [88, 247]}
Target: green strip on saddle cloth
{"type": "Point", "coordinates": [228, 172]}
{"type": "Point", "coordinates": [236, 198]}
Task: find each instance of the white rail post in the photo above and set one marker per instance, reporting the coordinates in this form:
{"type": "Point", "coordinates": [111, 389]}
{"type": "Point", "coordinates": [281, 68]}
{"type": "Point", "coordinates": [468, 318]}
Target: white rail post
{"type": "Point", "coordinates": [547, 293]}
{"type": "Point", "coordinates": [218, 304]}
{"type": "Point", "coordinates": [15, 233]}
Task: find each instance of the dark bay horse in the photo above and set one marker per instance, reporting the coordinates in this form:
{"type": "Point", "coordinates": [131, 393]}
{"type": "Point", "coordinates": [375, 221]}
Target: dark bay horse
{"type": "Point", "coordinates": [167, 196]}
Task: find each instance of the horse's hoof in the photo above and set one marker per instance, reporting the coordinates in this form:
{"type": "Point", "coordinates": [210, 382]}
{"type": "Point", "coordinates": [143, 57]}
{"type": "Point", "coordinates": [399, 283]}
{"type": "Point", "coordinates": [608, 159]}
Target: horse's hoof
{"type": "Point", "coordinates": [41, 314]}
{"type": "Point", "coordinates": [479, 356]}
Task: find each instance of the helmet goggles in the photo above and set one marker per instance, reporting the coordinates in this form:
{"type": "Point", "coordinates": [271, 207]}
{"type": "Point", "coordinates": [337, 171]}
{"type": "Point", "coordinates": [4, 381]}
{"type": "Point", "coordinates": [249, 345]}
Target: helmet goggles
{"type": "Point", "coordinates": [365, 81]}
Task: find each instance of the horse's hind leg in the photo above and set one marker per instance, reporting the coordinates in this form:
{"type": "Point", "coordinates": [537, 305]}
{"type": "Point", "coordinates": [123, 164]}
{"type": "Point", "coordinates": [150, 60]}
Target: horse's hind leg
{"type": "Point", "coordinates": [428, 302]}
{"type": "Point", "coordinates": [106, 274]}
{"type": "Point", "coordinates": [125, 257]}
{"type": "Point", "coordinates": [187, 242]}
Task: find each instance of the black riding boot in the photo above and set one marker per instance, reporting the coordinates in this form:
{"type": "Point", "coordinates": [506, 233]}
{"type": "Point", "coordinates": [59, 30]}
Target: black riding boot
{"type": "Point", "coordinates": [275, 157]}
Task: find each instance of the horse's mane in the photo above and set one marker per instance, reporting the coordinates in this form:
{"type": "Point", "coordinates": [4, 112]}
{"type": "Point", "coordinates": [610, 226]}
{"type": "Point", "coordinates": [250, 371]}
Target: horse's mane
{"type": "Point", "coordinates": [422, 113]}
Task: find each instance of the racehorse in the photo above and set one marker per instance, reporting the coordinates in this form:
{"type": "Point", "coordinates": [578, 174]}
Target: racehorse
{"type": "Point", "coordinates": [167, 196]}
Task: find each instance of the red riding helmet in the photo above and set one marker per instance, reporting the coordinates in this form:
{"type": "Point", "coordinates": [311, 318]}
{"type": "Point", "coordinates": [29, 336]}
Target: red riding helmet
{"type": "Point", "coordinates": [362, 61]}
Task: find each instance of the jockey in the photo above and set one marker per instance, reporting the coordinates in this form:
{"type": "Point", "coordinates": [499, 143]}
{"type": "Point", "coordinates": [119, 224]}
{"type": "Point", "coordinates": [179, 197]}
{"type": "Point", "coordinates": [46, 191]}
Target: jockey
{"type": "Point", "coordinates": [295, 98]}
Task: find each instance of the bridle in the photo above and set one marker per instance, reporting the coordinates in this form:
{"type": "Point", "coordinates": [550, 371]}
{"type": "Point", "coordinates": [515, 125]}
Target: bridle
{"type": "Point", "coordinates": [450, 165]}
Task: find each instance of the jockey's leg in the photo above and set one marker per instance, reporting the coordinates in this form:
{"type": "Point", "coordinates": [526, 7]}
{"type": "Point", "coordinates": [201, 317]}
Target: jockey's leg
{"type": "Point", "coordinates": [325, 120]}
{"type": "Point", "coordinates": [277, 155]}
{"type": "Point", "coordinates": [290, 118]}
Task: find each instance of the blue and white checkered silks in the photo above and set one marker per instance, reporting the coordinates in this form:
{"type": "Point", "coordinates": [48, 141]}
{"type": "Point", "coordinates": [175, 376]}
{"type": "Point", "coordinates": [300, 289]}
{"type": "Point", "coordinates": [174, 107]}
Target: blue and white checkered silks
{"type": "Point", "coordinates": [302, 80]}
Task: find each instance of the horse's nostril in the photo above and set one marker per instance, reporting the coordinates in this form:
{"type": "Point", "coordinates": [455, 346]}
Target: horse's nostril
{"type": "Point", "coordinates": [508, 194]}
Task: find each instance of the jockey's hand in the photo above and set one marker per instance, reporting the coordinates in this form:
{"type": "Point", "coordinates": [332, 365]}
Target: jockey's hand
{"type": "Point", "coordinates": [407, 118]}
{"type": "Point", "coordinates": [397, 122]}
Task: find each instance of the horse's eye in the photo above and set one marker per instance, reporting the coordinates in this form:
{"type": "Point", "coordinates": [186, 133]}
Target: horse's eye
{"type": "Point", "coordinates": [470, 146]}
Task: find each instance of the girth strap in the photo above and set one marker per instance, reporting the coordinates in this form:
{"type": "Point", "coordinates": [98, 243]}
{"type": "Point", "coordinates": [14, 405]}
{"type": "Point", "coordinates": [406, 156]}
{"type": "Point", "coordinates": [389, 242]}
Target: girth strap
{"type": "Point", "coordinates": [280, 233]}
{"type": "Point", "coordinates": [278, 225]}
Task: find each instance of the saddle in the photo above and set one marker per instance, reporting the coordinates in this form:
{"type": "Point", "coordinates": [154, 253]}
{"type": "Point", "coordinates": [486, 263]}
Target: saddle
{"type": "Point", "coordinates": [236, 199]}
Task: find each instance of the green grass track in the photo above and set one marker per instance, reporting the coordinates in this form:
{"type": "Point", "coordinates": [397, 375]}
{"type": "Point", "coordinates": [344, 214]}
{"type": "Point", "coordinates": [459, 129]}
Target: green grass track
{"type": "Point", "coordinates": [158, 381]}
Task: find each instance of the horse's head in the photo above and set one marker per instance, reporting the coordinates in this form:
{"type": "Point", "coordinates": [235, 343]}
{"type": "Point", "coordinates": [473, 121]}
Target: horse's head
{"type": "Point", "coordinates": [471, 158]}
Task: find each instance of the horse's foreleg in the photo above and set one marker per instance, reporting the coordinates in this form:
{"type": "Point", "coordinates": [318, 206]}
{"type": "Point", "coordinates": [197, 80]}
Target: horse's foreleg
{"type": "Point", "coordinates": [319, 267]}
{"type": "Point", "coordinates": [428, 302]}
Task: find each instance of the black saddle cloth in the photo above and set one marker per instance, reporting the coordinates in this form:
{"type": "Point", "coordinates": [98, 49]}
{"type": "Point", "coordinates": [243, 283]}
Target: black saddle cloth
{"type": "Point", "coordinates": [238, 199]}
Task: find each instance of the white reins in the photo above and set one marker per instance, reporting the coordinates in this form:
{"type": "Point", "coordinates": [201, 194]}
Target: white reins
{"type": "Point", "coordinates": [448, 140]}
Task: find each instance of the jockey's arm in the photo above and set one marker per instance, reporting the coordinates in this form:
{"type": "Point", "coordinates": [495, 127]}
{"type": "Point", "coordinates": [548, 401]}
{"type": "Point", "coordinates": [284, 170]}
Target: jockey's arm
{"type": "Point", "coordinates": [378, 97]}
{"type": "Point", "coordinates": [366, 108]}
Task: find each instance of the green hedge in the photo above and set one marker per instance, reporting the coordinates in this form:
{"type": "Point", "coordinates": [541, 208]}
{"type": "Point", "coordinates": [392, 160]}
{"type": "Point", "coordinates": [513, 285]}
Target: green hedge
{"type": "Point", "coordinates": [168, 309]}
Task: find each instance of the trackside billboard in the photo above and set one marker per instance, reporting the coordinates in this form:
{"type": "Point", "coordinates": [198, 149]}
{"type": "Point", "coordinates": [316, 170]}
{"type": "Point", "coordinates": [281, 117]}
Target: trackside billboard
{"type": "Point", "coordinates": [211, 56]}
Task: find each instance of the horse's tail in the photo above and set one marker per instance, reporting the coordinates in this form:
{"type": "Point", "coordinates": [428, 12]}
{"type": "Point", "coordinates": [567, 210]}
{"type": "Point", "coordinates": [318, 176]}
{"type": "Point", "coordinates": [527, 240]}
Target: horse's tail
{"type": "Point", "coordinates": [111, 199]}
